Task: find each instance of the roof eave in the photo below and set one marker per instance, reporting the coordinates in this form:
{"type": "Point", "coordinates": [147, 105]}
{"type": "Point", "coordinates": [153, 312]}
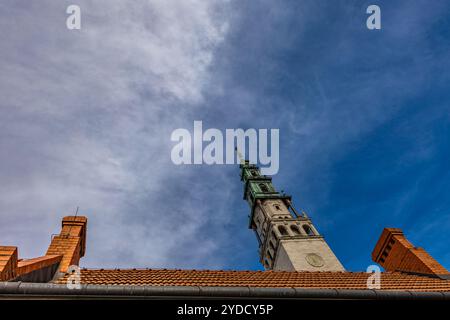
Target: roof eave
{"type": "Point", "coordinates": [20, 290]}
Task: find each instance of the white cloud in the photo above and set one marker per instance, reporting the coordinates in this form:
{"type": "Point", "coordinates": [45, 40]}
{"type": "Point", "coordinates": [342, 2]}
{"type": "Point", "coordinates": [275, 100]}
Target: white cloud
{"type": "Point", "coordinates": [86, 120]}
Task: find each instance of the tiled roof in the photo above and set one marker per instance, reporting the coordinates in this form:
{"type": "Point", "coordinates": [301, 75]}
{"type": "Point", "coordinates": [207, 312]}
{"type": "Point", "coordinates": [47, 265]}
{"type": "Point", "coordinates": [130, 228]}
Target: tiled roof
{"type": "Point", "coordinates": [269, 279]}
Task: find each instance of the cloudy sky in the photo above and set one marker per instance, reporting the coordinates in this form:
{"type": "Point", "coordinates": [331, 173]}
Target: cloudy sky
{"type": "Point", "coordinates": [86, 118]}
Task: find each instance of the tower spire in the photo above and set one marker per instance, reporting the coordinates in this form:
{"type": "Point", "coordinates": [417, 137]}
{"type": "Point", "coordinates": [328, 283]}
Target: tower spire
{"type": "Point", "coordinates": [287, 239]}
{"type": "Point", "coordinates": [241, 159]}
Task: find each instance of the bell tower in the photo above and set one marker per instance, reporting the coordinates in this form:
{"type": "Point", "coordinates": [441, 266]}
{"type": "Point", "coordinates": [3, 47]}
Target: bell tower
{"type": "Point", "coordinates": [287, 239]}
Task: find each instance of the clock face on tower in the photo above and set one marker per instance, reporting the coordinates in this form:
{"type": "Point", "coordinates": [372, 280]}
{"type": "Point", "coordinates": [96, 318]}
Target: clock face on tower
{"type": "Point", "coordinates": [314, 260]}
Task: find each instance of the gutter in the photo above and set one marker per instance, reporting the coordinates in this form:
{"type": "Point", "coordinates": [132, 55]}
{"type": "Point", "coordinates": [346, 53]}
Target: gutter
{"type": "Point", "coordinates": [21, 290]}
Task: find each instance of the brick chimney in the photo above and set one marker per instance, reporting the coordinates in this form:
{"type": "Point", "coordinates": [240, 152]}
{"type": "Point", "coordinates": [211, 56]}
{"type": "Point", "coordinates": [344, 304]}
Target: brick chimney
{"type": "Point", "coordinates": [395, 253]}
{"type": "Point", "coordinates": [8, 263]}
{"type": "Point", "coordinates": [70, 243]}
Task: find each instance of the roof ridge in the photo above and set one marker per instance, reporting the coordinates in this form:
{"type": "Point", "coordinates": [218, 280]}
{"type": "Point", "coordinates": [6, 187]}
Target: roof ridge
{"type": "Point", "coordinates": [237, 271]}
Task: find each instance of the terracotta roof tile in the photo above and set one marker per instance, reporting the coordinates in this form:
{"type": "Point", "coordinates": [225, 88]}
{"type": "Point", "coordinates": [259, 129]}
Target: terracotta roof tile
{"type": "Point", "coordinates": [221, 278]}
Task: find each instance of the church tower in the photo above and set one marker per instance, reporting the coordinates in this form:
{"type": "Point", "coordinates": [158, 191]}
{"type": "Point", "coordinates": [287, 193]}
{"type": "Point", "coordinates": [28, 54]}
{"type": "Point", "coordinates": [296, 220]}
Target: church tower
{"type": "Point", "coordinates": [287, 239]}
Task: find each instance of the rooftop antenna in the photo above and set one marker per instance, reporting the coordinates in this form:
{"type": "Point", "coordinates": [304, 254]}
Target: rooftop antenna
{"type": "Point", "coordinates": [70, 229]}
{"type": "Point", "coordinates": [68, 234]}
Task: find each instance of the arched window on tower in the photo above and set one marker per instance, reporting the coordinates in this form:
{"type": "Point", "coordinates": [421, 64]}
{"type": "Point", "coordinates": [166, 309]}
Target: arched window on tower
{"type": "Point", "coordinates": [308, 230]}
{"type": "Point", "coordinates": [277, 207]}
{"type": "Point", "coordinates": [295, 229]}
{"type": "Point", "coordinates": [263, 187]}
{"type": "Point", "coordinates": [283, 230]}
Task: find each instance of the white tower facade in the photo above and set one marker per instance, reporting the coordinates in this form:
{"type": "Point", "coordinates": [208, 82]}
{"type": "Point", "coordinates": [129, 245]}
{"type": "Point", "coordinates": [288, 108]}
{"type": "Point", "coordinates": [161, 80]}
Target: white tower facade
{"type": "Point", "coordinates": [288, 241]}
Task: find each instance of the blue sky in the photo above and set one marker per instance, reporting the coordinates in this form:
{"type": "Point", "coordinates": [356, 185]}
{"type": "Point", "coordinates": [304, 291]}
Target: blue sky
{"type": "Point", "coordinates": [87, 115]}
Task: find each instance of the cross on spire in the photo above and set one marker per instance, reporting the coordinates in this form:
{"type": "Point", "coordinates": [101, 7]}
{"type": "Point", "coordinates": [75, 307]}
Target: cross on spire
{"type": "Point", "coordinates": [241, 159]}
